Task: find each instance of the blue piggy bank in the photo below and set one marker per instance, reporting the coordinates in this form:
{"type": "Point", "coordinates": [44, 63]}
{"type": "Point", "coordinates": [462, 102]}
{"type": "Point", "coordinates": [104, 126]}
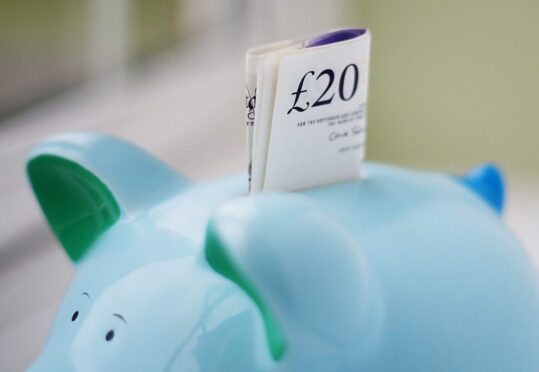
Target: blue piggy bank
{"type": "Point", "coordinates": [400, 271]}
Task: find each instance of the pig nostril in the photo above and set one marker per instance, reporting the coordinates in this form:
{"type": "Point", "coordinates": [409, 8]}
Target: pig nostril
{"type": "Point", "coordinates": [75, 316]}
{"type": "Point", "coordinates": [110, 335]}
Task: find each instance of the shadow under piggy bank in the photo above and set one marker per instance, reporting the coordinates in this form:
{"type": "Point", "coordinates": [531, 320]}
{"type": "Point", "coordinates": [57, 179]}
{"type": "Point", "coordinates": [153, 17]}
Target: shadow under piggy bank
{"type": "Point", "coordinates": [402, 270]}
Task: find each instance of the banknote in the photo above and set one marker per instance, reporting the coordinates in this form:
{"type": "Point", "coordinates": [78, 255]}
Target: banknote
{"type": "Point", "coordinates": [306, 106]}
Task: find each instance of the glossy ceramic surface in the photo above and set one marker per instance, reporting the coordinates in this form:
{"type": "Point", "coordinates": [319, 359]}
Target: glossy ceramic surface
{"type": "Point", "coordinates": [403, 270]}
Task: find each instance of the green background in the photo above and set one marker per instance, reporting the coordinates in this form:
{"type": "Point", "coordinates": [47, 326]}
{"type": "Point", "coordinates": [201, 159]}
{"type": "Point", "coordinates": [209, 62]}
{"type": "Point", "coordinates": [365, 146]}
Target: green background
{"type": "Point", "coordinates": [453, 82]}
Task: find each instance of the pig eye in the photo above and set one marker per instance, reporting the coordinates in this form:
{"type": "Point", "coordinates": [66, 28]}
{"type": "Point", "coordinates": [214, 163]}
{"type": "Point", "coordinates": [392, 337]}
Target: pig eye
{"type": "Point", "coordinates": [110, 335]}
{"type": "Point", "coordinates": [75, 316]}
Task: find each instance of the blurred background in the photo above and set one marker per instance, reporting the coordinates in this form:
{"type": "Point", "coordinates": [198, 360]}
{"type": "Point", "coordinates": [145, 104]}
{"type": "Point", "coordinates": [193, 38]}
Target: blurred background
{"type": "Point", "coordinates": [453, 83]}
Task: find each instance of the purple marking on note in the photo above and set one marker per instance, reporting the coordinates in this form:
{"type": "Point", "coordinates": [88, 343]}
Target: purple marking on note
{"type": "Point", "coordinates": [336, 36]}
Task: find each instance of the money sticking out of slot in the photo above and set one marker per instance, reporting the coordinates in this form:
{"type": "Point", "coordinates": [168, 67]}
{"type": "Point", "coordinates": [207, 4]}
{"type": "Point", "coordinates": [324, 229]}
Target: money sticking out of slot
{"type": "Point", "coordinates": [306, 102]}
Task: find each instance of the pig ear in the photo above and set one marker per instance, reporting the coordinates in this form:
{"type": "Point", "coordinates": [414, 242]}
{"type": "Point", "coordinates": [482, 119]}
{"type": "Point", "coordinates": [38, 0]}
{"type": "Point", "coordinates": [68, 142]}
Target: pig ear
{"type": "Point", "coordinates": [487, 182]}
{"type": "Point", "coordinates": [301, 267]}
{"type": "Point", "coordinates": [85, 182]}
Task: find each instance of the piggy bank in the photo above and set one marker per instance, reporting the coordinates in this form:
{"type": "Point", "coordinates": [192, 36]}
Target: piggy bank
{"type": "Point", "coordinates": [400, 271]}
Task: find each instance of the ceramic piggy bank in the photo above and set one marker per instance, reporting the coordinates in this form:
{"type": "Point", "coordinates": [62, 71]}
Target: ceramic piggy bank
{"type": "Point", "coordinates": [400, 271]}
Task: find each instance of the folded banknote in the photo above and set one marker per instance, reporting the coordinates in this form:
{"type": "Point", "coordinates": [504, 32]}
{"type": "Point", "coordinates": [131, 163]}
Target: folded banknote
{"type": "Point", "coordinates": [306, 103]}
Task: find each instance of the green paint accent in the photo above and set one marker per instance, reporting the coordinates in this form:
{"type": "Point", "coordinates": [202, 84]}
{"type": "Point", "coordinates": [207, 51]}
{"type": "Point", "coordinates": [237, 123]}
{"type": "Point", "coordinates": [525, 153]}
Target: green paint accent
{"type": "Point", "coordinates": [77, 205]}
{"type": "Point", "coordinates": [220, 261]}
